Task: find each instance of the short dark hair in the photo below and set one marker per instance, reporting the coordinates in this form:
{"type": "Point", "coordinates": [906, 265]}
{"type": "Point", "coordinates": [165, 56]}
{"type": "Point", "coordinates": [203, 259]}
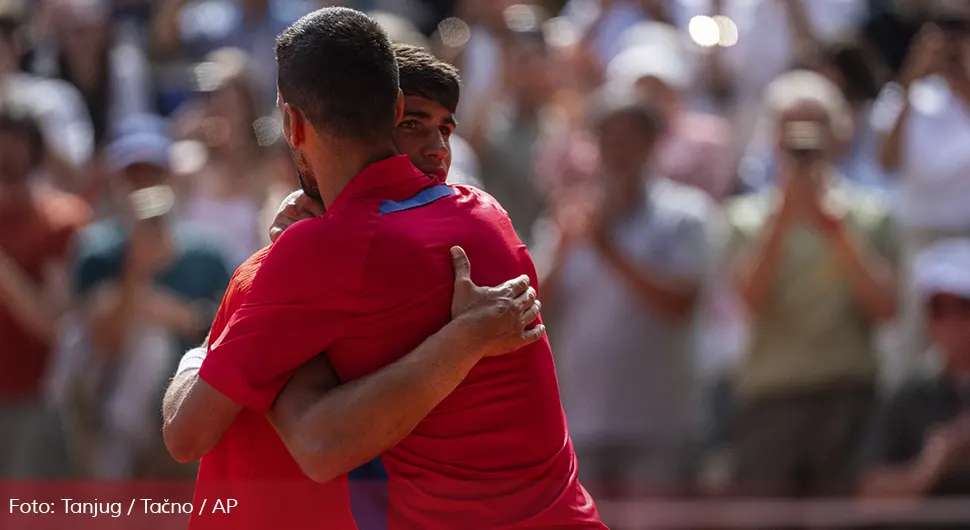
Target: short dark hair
{"type": "Point", "coordinates": [611, 102]}
{"type": "Point", "coordinates": [336, 65]}
{"type": "Point", "coordinates": [20, 119]}
{"type": "Point", "coordinates": [424, 75]}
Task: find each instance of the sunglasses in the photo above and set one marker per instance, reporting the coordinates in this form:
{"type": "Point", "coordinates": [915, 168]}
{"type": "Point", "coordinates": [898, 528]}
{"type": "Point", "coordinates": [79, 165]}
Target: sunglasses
{"type": "Point", "coordinates": [954, 26]}
{"type": "Point", "coordinates": [946, 306]}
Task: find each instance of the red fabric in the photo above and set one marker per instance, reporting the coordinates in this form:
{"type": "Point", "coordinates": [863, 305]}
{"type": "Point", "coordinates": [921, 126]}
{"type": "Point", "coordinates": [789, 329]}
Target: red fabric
{"type": "Point", "coordinates": [33, 234]}
{"type": "Point", "coordinates": [368, 288]}
{"type": "Point", "coordinates": [251, 465]}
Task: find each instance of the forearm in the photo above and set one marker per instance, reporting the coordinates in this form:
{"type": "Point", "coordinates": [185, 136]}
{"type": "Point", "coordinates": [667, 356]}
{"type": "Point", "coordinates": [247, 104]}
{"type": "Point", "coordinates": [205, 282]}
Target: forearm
{"type": "Point", "coordinates": [803, 35]}
{"type": "Point", "coordinates": [870, 277]}
{"type": "Point", "coordinates": [894, 100]}
{"type": "Point", "coordinates": [755, 273]}
{"type": "Point", "coordinates": [112, 317]}
{"type": "Point", "coordinates": [671, 297]}
{"type": "Point", "coordinates": [25, 302]}
{"type": "Point", "coordinates": [911, 481]}
{"type": "Point", "coordinates": [357, 421]}
{"type": "Point", "coordinates": [165, 28]}
{"type": "Point", "coordinates": [890, 151]}
{"type": "Point", "coordinates": [195, 416]}
{"type": "Point", "coordinates": [550, 276]}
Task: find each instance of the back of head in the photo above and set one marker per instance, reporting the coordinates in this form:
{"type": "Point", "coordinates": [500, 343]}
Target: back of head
{"type": "Point", "coordinates": [20, 120]}
{"type": "Point", "coordinates": [337, 66]}
{"type": "Point", "coordinates": [424, 75]}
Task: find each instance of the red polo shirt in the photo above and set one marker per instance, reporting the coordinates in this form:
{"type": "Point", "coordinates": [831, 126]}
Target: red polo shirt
{"type": "Point", "coordinates": [251, 465]}
{"type": "Point", "coordinates": [496, 452]}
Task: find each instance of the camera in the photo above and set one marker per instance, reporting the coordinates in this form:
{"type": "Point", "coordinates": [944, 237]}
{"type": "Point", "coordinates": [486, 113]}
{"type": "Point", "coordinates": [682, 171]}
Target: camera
{"type": "Point", "coordinates": [152, 204]}
{"type": "Point", "coordinates": [805, 140]}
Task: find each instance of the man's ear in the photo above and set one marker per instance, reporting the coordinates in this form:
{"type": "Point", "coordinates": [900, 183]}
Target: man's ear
{"type": "Point", "coordinates": [399, 107]}
{"type": "Point", "coordinates": [293, 125]}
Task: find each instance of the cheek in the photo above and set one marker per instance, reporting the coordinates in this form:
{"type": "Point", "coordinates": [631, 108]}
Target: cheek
{"type": "Point", "coordinates": [407, 142]}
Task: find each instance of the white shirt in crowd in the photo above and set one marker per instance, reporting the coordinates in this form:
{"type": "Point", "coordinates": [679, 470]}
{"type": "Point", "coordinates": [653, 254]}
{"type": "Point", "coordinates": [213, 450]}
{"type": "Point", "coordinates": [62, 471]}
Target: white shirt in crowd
{"type": "Point", "coordinates": [934, 179]}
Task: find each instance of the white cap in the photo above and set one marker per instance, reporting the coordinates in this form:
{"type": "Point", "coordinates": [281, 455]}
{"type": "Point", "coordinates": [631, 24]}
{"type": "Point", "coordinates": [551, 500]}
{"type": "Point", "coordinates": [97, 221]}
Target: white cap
{"type": "Point", "coordinates": [661, 62]}
{"type": "Point", "coordinates": [943, 268]}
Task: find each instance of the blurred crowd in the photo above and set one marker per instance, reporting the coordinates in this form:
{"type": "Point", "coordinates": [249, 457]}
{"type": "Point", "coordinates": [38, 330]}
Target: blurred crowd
{"type": "Point", "coordinates": [751, 220]}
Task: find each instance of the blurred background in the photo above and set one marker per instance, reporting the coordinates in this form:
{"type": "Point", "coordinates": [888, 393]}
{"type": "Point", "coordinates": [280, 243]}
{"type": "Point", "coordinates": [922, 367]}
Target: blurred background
{"type": "Point", "coordinates": [751, 220]}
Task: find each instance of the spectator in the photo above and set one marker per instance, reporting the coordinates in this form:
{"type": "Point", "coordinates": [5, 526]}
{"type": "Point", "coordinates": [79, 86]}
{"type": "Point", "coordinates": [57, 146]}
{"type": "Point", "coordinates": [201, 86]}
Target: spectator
{"type": "Point", "coordinates": [770, 35]}
{"type": "Point", "coordinates": [226, 190]}
{"type": "Point", "coordinates": [622, 273]}
{"type": "Point", "coordinates": [185, 31]}
{"type": "Point", "coordinates": [83, 50]}
{"type": "Point", "coordinates": [813, 261]}
{"type": "Point", "coordinates": [697, 148]}
{"type": "Point", "coordinates": [37, 228]}
{"type": "Point", "coordinates": [927, 143]}
{"type": "Point", "coordinates": [921, 444]}
{"type": "Point", "coordinates": [149, 289]}
{"type": "Point", "coordinates": [60, 108]}
{"type": "Point", "coordinates": [505, 130]}
{"type": "Point", "coordinates": [848, 66]}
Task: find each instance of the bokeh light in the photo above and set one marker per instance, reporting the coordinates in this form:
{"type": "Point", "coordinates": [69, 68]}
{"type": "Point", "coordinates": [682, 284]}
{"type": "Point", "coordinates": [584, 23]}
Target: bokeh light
{"type": "Point", "coordinates": [727, 31]}
{"type": "Point", "coordinates": [704, 31]}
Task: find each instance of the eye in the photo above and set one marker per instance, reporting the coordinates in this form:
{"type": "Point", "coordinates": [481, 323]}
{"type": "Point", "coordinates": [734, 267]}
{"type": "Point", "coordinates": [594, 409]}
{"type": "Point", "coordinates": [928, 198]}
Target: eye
{"type": "Point", "coordinates": [446, 131]}
{"type": "Point", "coordinates": [408, 124]}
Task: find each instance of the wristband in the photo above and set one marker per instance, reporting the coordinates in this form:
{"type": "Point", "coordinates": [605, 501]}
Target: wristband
{"type": "Point", "coordinates": [192, 360]}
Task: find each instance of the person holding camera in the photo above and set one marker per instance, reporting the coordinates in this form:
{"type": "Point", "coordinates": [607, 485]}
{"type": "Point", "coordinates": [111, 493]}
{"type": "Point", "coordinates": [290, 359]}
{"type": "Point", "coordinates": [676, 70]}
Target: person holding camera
{"type": "Point", "coordinates": [928, 113]}
{"type": "Point", "coordinates": [812, 260]}
{"type": "Point", "coordinates": [149, 287]}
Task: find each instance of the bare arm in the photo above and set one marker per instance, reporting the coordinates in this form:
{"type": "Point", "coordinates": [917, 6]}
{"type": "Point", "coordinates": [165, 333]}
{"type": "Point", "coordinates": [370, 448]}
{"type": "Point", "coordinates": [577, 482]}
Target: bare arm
{"type": "Point", "coordinates": [550, 273]}
{"type": "Point", "coordinates": [672, 297]}
{"type": "Point", "coordinates": [195, 415]}
{"type": "Point", "coordinates": [754, 272]}
{"type": "Point", "coordinates": [34, 307]}
{"type": "Point", "coordinates": [325, 430]}
{"type": "Point", "coordinates": [870, 277]}
{"type": "Point", "coordinates": [165, 38]}
{"type": "Point", "coordinates": [912, 480]}
{"type": "Point", "coordinates": [924, 59]}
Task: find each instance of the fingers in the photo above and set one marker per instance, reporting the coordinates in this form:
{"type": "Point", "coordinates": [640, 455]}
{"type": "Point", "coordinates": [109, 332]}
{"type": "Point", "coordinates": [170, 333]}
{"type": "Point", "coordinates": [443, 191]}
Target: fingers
{"type": "Point", "coordinates": [532, 335]}
{"type": "Point", "coordinates": [517, 287]}
{"type": "Point", "coordinates": [310, 208]}
{"type": "Point", "coordinates": [289, 201]}
{"type": "Point", "coordinates": [525, 300]}
{"type": "Point", "coordinates": [459, 262]}
{"type": "Point", "coordinates": [274, 233]}
{"type": "Point", "coordinates": [532, 313]}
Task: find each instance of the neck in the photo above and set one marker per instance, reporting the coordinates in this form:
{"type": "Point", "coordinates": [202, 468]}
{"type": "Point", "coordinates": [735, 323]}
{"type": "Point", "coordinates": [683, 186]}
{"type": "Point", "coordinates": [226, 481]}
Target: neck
{"type": "Point", "coordinates": [347, 160]}
{"type": "Point", "coordinates": [625, 200]}
{"type": "Point", "coordinates": [14, 191]}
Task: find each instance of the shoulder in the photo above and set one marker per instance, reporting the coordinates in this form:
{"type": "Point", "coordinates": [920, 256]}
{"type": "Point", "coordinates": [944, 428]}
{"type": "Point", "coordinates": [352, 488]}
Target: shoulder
{"type": "Point", "coordinates": [679, 202]}
{"type": "Point", "coordinates": [872, 208]}
{"type": "Point", "coordinates": [242, 279]}
{"type": "Point", "coordinates": [331, 248]}
{"type": "Point", "coordinates": [749, 212]}
{"type": "Point", "coordinates": [478, 197]}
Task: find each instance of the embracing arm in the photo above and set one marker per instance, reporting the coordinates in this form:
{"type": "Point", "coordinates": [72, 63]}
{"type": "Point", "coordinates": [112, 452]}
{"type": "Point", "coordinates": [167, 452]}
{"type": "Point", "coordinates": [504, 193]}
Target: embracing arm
{"type": "Point", "coordinates": [331, 430]}
{"type": "Point", "coordinates": [195, 415]}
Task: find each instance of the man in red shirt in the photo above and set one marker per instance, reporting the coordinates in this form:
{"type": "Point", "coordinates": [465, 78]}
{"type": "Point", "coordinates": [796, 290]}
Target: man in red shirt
{"type": "Point", "coordinates": [495, 453]}
{"type": "Point", "coordinates": [268, 486]}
